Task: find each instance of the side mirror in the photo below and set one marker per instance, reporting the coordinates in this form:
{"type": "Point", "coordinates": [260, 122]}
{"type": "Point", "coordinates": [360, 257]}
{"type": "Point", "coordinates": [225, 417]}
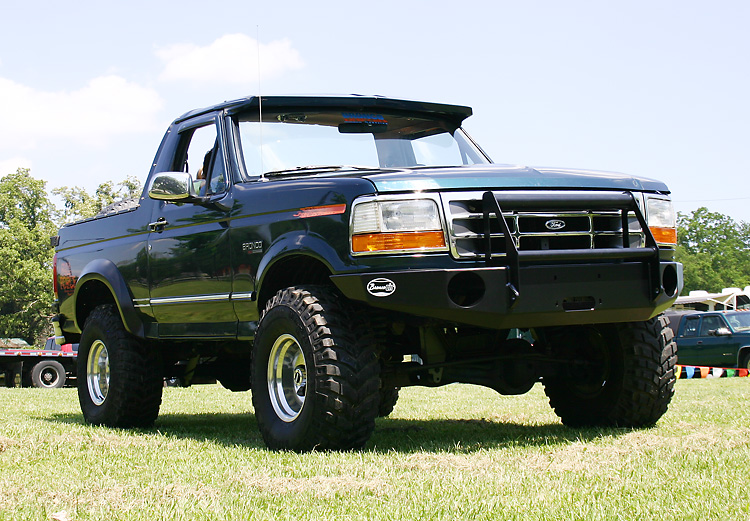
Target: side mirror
{"type": "Point", "coordinates": [172, 186]}
{"type": "Point", "coordinates": [723, 331]}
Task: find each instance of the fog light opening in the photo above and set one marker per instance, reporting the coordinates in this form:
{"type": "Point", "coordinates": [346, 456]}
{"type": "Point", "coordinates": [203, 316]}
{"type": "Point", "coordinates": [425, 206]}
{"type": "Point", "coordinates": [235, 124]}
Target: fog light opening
{"type": "Point", "coordinates": [466, 289]}
{"type": "Point", "coordinates": [669, 281]}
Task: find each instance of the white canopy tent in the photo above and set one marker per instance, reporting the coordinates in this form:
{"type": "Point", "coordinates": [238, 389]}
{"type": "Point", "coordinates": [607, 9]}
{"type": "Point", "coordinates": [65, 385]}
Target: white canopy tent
{"type": "Point", "coordinates": [728, 299]}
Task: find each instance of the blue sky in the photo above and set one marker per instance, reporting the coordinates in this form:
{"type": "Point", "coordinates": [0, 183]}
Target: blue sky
{"type": "Point", "coordinates": [658, 89]}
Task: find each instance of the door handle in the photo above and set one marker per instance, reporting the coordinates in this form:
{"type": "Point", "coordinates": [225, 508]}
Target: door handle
{"type": "Point", "coordinates": [159, 225]}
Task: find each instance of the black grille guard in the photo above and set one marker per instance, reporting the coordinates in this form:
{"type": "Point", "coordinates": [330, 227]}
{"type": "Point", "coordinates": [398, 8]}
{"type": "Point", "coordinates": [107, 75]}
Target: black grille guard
{"type": "Point", "coordinates": [624, 202]}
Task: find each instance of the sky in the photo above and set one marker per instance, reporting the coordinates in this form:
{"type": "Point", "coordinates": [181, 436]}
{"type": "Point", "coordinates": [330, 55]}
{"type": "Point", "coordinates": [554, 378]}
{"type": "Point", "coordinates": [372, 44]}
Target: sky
{"type": "Point", "coordinates": [657, 89]}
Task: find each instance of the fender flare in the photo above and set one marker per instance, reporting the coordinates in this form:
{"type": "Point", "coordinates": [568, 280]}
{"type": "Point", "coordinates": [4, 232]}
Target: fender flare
{"type": "Point", "coordinates": [298, 244]}
{"type": "Point", "coordinates": [106, 272]}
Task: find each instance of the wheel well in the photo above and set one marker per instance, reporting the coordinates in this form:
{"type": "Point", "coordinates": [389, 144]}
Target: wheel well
{"type": "Point", "coordinates": [91, 295]}
{"type": "Point", "coordinates": [743, 356]}
{"type": "Point", "coordinates": [292, 271]}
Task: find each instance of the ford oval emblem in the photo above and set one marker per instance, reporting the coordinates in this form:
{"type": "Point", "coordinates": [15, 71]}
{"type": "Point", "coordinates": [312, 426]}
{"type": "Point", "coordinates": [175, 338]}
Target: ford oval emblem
{"type": "Point", "coordinates": [555, 224]}
{"type": "Point", "coordinates": [381, 287]}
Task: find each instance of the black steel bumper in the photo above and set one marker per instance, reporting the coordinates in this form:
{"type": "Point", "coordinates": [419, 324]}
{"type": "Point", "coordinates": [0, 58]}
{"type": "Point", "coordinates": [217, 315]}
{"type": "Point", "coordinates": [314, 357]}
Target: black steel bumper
{"type": "Point", "coordinates": [535, 288]}
{"type": "Point", "coordinates": [551, 294]}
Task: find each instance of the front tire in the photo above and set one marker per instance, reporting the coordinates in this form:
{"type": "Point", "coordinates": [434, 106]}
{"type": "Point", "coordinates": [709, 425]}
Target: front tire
{"type": "Point", "coordinates": [630, 382]}
{"type": "Point", "coordinates": [119, 376]}
{"type": "Point", "coordinates": [315, 374]}
{"type": "Point", "coordinates": [48, 374]}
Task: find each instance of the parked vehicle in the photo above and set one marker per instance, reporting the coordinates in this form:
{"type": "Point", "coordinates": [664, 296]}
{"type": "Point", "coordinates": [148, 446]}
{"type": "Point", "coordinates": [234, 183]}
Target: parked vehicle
{"type": "Point", "coordinates": [327, 251]}
{"type": "Point", "coordinates": [713, 339]}
{"type": "Point", "coordinates": [50, 368]}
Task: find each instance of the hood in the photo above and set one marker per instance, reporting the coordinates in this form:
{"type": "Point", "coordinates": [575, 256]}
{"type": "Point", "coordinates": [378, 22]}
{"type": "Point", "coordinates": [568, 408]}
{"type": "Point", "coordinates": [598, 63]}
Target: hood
{"type": "Point", "coordinates": [479, 177]}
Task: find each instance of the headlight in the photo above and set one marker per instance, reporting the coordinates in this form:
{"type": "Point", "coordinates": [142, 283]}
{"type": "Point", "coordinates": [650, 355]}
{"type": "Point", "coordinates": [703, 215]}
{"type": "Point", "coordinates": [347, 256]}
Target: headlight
{"type": "Point", "coordinates": [661, 220]}
{"type": "Point", "coordinates": [398, 225]}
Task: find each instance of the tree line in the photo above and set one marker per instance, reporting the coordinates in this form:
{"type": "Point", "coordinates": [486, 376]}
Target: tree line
{"type": "Point", "coordinates": [28, 219]}
{"type": "Point", "coordinates": [714, 249]}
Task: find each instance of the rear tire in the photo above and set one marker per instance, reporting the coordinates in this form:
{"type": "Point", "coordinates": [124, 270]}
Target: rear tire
{"type": "Point", "coordinates": [315, 383]}
{"type": "Point", "coordinates": [388, 399]}
{"type": "Point", "coordinates": [48, 374]}
{"type": "Point", "coordinates": [631, 382]}
{"type": "Point", "coordinates": [119, 377]}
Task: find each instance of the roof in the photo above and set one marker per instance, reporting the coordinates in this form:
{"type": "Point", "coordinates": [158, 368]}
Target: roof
{"type": "Point", "coordinates": [456, 113]}
{"type": "Point", "coordinates": [727, 297]}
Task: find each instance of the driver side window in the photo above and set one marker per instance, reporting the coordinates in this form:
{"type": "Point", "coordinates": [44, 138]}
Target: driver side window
{"type": "Point", "coordinates": [204, 161]}
{"type": "Point", "coordinates": [710, 324]}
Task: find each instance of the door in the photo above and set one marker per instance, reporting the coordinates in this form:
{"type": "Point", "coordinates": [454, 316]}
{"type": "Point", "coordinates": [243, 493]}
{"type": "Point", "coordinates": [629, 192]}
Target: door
{"type": "Point", "coordinates": [190, 272]}
{"type": "Point", "coordinates": [700, 345]}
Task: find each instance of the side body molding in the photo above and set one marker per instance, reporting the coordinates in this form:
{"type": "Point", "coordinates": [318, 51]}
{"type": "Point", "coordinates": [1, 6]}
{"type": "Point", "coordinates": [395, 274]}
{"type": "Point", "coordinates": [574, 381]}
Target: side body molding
{"type": "Point", "coordinates": [105, 272]}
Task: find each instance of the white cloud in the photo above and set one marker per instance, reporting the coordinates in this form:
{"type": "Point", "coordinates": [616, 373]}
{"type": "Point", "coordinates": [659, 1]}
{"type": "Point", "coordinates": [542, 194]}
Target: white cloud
{"type": "Point", "coordinates": [231, 59]}
{"type": "Point", "coordinates": [107, 106]}
{"type": "Point", "coordinates": [10, 165]}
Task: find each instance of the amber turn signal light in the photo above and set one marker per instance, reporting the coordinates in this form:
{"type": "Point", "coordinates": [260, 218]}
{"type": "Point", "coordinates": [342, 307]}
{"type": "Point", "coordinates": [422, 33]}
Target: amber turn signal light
{"type": "Point", "coordinates": [371, 242]}
{"type": "Point", "coordinates": [664, 235]}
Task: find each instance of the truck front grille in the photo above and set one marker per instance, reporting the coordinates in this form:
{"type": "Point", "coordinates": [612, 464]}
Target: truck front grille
{"type": "Point", "coordinates": [538, 230]}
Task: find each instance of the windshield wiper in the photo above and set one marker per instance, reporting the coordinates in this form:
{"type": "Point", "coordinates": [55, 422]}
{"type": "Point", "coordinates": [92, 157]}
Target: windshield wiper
{"type": "Point", "coordinates": [316, 168]}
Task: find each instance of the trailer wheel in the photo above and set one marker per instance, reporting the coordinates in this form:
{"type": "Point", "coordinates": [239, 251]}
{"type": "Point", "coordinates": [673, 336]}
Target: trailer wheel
{"type": "Point", "coordinates": [630, 382]}
{"type": "Point", "coordinates": [315, 382]}
{"type": "Point", "coordinates": [48, 374]}
{"type": "Point", "coordinates": [119, 377]}
{"type": "Point", "coordinates": [13, 376]}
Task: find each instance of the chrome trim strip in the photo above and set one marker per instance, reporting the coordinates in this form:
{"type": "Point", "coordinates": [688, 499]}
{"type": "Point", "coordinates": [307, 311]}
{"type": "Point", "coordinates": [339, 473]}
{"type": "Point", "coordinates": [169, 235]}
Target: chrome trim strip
{"type": "Point", "coordinates": [242, 296]}
{"type": "Point", "coordinates": [190, 299]}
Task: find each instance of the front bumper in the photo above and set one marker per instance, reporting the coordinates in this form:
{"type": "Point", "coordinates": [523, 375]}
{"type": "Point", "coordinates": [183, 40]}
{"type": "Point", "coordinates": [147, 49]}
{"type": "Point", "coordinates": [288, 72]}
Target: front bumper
{"type": "Point", "coordinates": [551, 295]}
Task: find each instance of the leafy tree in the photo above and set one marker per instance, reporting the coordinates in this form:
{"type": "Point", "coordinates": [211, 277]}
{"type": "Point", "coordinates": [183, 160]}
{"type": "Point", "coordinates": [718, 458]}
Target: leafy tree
{"type": "Point", "coordinates": [26, 226]}
{"type": "Point", "coordinates": [79, 204]}
{"type": "Point", "coordinates": [27, 221]}
{"type": "Point", "coordinates": [714, 249]}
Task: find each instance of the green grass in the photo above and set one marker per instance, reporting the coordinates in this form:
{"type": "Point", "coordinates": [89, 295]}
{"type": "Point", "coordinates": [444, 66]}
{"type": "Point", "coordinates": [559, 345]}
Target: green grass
{"type": "Point", "coordinates": [458, 452]}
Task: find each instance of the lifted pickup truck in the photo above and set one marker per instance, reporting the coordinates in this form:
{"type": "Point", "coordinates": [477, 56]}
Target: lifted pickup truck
{"type": "Point", "coordinates": [714, 339]}
{"type": "Point", "coordinates": [48, 368]}
{"type": "Point", "coordinates": [327, 251]}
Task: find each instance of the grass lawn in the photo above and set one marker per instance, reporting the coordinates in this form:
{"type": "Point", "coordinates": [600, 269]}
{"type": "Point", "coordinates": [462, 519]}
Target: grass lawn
{"type": "Point", "coordinates": [458, 452]}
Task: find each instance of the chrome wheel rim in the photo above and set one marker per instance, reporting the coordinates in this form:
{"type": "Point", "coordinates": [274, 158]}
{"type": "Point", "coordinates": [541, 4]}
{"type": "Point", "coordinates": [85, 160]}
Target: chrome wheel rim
{"type": "Point", "coordinates": [97, 372]}
{"type": "Point", "coordinates": [49, 377]}
{"type": "Point", "coordinates": [287, 378]}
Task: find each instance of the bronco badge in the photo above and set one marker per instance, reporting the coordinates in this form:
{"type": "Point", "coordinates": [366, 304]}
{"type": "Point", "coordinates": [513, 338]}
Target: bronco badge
{"type": "Point", "coordinates": [381, 287]}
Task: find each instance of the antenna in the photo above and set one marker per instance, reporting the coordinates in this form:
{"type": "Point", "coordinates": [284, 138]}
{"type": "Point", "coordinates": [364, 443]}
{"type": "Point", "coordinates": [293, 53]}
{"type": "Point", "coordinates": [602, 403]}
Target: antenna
{"type": "Point", "coordinates": [260, 104]}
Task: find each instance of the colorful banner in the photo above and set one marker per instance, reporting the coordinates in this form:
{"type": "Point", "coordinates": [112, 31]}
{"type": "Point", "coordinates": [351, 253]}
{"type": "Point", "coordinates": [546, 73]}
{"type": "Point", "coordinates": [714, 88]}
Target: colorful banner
{"type": "Point", "coordinates": [693, 371]}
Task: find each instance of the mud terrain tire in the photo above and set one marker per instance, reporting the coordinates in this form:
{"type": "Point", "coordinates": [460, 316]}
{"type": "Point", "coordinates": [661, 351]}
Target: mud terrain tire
{"type": "Point", "coordinates": [315, 375]}
{"type": "Point", "coordinates": [635, 382]}
{"type": "Point", "coordinates": [119, 377]}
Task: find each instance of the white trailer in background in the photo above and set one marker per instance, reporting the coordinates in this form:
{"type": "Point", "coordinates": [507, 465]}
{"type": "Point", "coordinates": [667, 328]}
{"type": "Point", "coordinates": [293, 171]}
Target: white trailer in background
{"type": "Point", "coordinates": [729, 299]}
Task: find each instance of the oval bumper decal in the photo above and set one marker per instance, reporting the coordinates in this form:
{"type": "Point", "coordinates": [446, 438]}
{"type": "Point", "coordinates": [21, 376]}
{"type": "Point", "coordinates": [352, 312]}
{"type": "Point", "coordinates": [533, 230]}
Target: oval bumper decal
{"type": "Point", "coordinates": [381, 287]}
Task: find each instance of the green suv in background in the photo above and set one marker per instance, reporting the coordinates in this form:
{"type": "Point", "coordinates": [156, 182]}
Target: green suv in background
{"type": "Point", "coordinates": [718, 339]}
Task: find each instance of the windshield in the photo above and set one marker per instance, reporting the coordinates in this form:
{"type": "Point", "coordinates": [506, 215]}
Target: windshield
{"type": "Point", "coordinates": [289, 143]}
{"type": "Point", "coordinates": [739, 321]}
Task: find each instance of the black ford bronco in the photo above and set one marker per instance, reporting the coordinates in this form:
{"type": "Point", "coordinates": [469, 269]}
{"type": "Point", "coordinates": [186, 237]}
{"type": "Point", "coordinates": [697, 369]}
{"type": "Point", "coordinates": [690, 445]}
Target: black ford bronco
{"type": "Point", "coordinates": [324, 252]}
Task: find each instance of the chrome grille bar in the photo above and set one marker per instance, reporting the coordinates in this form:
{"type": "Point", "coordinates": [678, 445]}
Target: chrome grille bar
{"type": "Point", "coordinates": [528, 222]}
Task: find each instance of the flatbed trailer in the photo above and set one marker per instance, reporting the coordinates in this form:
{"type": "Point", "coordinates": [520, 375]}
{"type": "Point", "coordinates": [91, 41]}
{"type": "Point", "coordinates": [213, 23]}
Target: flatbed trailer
{"type": "Point", "coordinates": [45, 368]}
